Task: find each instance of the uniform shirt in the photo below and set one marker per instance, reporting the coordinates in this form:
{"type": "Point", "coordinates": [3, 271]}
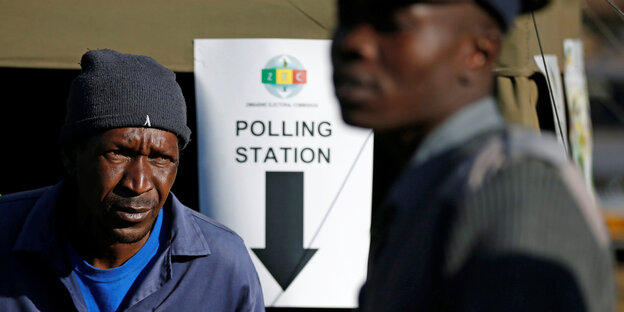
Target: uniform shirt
{"type": "Point", "coordinates": [488, 217]}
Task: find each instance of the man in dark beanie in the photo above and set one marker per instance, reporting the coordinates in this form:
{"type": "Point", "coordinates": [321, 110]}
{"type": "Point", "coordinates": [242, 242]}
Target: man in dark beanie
{"type": "Point", "coordinates": [111, 237]}
{"type": "Point", "coordinates": [483, 216]}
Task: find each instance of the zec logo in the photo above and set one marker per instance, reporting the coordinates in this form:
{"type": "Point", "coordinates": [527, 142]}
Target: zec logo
{"type": "Point", "coordinates": [284, 76]}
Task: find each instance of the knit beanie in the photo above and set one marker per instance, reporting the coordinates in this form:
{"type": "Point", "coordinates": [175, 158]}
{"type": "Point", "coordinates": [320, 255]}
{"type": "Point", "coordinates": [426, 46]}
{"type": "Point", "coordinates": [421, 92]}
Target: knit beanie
{"type": "Point", "coordinates": [117, 90]}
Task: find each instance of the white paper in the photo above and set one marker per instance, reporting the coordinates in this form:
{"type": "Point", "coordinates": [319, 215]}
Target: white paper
{"type": "Point", "coordinates": [578, 105]}
{"type": "Point", "coordinates": [556, 87]}
{"type": "Point", "coordinates": [289, 123]}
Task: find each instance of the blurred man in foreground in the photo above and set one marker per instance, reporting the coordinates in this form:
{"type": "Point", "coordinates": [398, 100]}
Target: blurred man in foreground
{"type": "Point", "coordinates": [111, 237]}
{"type": "Point", "coordinates": [484, 217]}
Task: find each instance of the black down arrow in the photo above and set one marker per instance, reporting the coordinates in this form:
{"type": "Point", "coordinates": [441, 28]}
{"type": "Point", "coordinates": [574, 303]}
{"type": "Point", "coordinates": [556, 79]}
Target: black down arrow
{"type": "Point", "coordinates": [284, 255]}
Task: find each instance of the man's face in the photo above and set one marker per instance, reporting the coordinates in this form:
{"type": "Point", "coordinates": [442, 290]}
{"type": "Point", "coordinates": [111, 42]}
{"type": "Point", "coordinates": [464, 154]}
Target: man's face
{"type": "Point", "coordinates": [124, 176]}
{"type": "Point", "coordinates": [395, 68]}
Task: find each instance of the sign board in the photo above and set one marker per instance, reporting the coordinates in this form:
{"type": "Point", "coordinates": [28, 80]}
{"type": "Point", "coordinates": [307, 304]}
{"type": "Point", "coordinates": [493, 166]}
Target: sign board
{"type": "Point", "coordinates": [278, 165]}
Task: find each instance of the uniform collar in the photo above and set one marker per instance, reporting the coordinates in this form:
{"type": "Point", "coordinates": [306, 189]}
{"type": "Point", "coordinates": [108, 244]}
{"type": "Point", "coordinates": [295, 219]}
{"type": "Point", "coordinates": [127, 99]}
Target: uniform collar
{"type": "Point", "coordinates": [470, 121]}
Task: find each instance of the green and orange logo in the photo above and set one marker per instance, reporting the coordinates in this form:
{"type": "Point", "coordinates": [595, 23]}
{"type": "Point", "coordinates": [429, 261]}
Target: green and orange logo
{"type": "Point", "coordinates": [284, 76]}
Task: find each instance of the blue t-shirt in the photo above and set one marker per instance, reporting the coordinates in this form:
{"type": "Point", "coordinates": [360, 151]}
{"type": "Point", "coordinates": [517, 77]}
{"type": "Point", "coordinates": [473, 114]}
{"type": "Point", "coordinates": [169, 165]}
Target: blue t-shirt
{"type": "Point", "coordinates": [104, 289]}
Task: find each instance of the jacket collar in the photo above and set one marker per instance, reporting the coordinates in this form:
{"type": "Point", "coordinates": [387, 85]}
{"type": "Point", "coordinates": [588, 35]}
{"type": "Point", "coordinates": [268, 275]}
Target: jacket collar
{"type": "Point", "coordinates": [39, 233]}
{"type": "Point", "coordinates": [186, 237]}
{"type": "Point", "coordinates": [436, 154]}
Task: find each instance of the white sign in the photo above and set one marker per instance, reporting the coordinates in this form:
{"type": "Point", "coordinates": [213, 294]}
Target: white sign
{"type": "Point", "coordinates": [550, 68]}
{"type": "Point", "coordinates": [279, 166]}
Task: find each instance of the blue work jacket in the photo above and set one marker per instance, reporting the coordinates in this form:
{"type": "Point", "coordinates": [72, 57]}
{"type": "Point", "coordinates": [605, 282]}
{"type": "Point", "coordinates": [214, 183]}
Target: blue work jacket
{"type": "Point", "coordinates": [204, 267]}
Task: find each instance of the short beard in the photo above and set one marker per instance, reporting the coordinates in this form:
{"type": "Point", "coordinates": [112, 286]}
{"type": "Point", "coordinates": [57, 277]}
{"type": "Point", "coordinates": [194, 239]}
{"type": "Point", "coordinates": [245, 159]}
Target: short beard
{"type": "Point", "coordinates": [116, 237]}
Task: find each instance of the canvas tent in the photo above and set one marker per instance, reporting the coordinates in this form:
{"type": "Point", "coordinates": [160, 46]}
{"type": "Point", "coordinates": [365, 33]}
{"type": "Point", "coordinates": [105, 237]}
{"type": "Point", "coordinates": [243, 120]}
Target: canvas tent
{"type": "Point", "coordinates": [53, 34]}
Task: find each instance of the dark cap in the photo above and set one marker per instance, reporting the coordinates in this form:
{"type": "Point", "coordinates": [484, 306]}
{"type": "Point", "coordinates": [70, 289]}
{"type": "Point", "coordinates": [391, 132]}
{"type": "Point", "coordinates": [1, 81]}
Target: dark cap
{"type": "Point", "coordinates": [505, 11]}
{"type": "Point", "coordinates": [117, 90]}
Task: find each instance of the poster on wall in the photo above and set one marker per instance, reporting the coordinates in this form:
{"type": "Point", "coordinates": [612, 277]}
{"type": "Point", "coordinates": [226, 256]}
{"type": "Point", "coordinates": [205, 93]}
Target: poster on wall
{"type": "Point", "coordinates": [578, 106]}
{"type": "Point", "coordinates": [279, 166]}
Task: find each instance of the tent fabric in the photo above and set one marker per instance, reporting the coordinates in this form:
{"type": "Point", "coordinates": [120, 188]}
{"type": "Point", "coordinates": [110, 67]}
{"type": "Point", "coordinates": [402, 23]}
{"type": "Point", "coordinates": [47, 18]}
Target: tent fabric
{"type": "Point", "coordinates": [559, 20]}
{"type": "Point", "coordinates": [54, 34]}
{"type": "Point", "coordinates": [517, 100]}
{"type": "Point", "coordinates": [517, 90]}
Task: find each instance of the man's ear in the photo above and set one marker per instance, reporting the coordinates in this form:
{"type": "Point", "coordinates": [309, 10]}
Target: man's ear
{"type": "Point", "coordinates": [487, 47]}
{"type": "Point", "coordinates": [480, 52]}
